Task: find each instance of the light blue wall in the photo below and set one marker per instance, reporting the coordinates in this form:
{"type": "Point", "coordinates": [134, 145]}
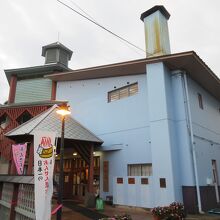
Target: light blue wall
{"type": "Point", "coordinates": [150, 127]}
{"type": "Point", "coordinates": [162, 133]}
{"type": "Point", "coordinates": [206, 128]}
{"type": "Point", "coordinates": [122, 124]}
{"type": "Point", "coordinates": [183, 146]}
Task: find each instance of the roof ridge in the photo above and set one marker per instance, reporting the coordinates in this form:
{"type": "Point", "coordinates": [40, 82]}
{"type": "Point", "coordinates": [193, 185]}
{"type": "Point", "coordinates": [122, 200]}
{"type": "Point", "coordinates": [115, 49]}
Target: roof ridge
{"type": "Point", "coordinates": [46, 114]}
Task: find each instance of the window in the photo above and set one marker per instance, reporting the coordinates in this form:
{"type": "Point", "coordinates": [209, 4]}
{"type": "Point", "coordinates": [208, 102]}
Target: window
{"type": "Point", "coordinates": [25, 116]}
{"type": "Point", "coordinates": [162, 182]}
{"type": "Point", "coordinates": [200, 100]}
{"type": "Point", "coordinates": [131, 180]}
{"type": "Point", "coordinates": [123, 92]}
{"type": "Point", "coordinates": [144, 181]}
{"type": "Point", "coordinates": [4, 121]}
{"type": "Point", "coordinates": [139, 169]}
{"type": "Point", "coordinates": [119, 180]}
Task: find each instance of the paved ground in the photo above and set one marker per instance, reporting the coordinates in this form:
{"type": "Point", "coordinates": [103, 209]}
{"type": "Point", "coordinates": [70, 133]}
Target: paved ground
{"type": "Point", "coordinates": [77, 211]}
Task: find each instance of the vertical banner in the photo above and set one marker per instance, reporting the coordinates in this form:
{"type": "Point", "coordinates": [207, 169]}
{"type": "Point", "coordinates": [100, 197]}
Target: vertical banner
{"type": "Point", "coordinates": [19, 153]}
{"type": "Point", "coordinates": [43, 173]}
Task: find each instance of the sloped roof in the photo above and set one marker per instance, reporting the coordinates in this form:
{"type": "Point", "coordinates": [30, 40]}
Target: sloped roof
{"type": "Point", "coordinates": [49, 120]}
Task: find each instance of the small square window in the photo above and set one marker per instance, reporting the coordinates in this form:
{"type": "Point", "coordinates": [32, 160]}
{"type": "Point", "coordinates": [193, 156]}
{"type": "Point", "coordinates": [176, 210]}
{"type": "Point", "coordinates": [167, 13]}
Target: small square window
{"type": "Point", "coordinates": [131, 180]}
{"type": "Point", "coordinates": [144, 181]}
{"type": "Point", "coordinates": [162, 182]}
{"type": "Point", "coordinates": [120, 180]}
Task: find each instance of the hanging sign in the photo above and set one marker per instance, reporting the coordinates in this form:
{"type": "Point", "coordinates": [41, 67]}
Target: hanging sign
{"type": "Point", "coordinates": [19, 153]}
{"type": "Point", "coordinates": [43, 173]}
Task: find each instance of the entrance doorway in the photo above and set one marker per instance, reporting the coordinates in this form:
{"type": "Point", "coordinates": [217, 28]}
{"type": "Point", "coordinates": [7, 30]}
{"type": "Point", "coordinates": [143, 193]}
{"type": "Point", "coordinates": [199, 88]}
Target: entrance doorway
{"type": "Point", "coordinates": [76, 174]}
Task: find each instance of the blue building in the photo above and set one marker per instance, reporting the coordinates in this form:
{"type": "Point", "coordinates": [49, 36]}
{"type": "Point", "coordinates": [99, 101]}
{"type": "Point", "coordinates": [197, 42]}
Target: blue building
{"type": "Point", "coordinates": [159, 119]}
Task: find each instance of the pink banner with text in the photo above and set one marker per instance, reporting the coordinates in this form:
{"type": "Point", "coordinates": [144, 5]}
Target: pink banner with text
{"type": "Point", "coordinates": [19, 153]}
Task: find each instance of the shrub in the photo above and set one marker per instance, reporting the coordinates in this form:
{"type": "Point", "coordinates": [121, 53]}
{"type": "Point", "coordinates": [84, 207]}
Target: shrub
{"type": "Point", "coordinates": [175, 211]}
{"type": "Point", "coordinates": [160, 212]}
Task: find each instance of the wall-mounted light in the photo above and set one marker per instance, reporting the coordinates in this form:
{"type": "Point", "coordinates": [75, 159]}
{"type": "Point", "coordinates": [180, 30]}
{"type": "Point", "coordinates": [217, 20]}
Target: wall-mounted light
{"type": "Point", "coordinates": [74, 154]}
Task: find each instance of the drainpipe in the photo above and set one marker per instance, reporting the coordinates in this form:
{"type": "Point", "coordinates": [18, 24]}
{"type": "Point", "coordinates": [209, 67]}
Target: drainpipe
{"type": "Point", "coordinates": [192, 144]}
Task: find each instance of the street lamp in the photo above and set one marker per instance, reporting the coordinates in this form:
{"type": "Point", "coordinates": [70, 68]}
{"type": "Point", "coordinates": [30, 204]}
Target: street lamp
{"type": "Point", "coordinates": [63, 110]}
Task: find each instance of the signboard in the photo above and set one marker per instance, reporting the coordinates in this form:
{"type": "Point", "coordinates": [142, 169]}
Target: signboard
{"type": "Point", "coordinates": [43, 173]}
{"type": "Point", "coordinates": [19, 153]}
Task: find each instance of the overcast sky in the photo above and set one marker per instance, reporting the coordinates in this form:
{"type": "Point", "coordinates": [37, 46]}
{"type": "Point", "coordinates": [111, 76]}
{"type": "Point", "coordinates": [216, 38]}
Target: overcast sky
{"type": "Point", "coordinates": [27, 25]}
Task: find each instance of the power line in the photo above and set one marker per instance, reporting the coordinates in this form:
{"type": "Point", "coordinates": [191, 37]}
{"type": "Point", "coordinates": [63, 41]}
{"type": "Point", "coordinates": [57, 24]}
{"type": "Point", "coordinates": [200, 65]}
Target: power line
{"type": "Point", "coordinates": [76, 5]}
{"type": "Point", "coordinates": [101, 26]}
{"type": "Point", "coordinates": [83, 11]}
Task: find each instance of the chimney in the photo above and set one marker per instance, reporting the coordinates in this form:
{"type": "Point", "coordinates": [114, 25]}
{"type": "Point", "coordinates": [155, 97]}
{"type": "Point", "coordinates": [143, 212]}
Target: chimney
{"type": "Point", "coordinates": [56, 53]}
{"type": "Point", "coordinates": [156, 31]}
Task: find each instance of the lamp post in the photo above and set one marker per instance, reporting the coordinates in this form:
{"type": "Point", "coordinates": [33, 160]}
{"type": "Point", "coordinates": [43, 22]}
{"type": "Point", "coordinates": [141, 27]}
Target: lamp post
{"type": "Point", "coordinates": [63, 111]}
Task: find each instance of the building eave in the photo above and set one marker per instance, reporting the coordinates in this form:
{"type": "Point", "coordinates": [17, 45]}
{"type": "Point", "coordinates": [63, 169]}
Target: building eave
{"type": "Point", "coordinates": [188, 61]}
{"type": "Point", "coordinates": [27, 104]}
{"type": "Point", "coordinates": [35, 71]}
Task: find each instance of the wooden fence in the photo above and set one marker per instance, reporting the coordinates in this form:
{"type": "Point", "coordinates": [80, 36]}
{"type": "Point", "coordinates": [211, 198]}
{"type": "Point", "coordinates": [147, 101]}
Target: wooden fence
{"type": "Point", "coordinates": [17, 197]}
